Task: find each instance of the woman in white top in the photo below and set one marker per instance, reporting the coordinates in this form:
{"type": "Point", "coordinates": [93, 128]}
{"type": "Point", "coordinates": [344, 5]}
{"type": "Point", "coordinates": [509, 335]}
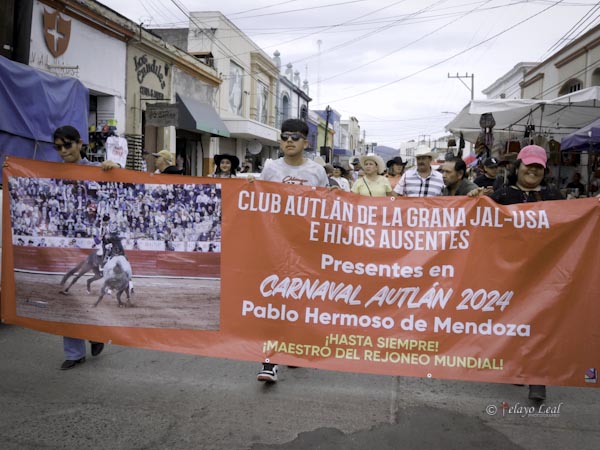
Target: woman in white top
{"type": "Point", "coordinates": [372, 183]}
{"type": "Point", "coordinates": [339, 175]}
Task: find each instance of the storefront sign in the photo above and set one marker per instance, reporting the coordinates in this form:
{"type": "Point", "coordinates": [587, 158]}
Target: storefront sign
{"type": "Point", "coordinates": [143, 67]}
{"type": "Point", "coordinates": [57, 32]}
{"type": "Point", "coordinates": [161, 115]}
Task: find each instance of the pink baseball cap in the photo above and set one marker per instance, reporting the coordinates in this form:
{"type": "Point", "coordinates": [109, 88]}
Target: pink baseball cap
{"type": "Point", "coordinates": [533, 154]}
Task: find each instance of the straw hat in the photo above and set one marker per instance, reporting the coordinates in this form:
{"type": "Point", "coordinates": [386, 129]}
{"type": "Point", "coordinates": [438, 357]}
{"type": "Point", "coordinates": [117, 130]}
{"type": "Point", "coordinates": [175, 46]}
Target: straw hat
{"type": "Point", "coordinates": [165, 154]}
{"type": "Point", "coordinates": [376, 159]}
{"type": "Point", "coordinates": [423, 150]}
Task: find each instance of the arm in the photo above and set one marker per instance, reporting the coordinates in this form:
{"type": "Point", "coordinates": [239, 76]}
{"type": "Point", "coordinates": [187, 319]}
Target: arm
{"type": "Point", "coordinates": [400, 187]}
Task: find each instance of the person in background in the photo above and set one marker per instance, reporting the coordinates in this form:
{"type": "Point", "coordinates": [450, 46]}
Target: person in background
{"type": "Point", "coordinates": [339, 175]}
{"type": "Point", "coordinates": [355, 169]}
{"type": "Point", "coordinates": [372, 183]}
{"type": "Point", "coordinates": [68, 144]}
{"type": "Point", "coordinates": [165, 163]}
{"type": "Point", "coordinates": [577, 184]}
{"type": "Point", "coordinates": [489, 179]}
{"type": "Point", "coordinates": [292, 168]}
{"type": "Point", "coordinates": [422, 181]}
{"type": "Point", "coordinates": [226, 166]}
{"type": "Point", "coordinates": [454, 174]}
{"type": "Point", "coordinates": [395, 170]}
{"type": "Point", "coordinates": [329, 171]}
{"type": "Point", "coordinates": [525, 185]}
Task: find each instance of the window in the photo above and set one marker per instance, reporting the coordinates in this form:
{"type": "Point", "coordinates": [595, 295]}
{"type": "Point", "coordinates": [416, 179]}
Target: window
{"type": "Point", "coordinates": [573, 85]}
{"type": "Point", "coordinates": [285, 107]}
{"type": "Point", "coordinates": [596, 77]}
{"type": "Point", "coordinates": [262, 103]}
{"type": "Point", "coordinates": [304, 113]}
{"type": "Point", "coordinates": [236, 84]}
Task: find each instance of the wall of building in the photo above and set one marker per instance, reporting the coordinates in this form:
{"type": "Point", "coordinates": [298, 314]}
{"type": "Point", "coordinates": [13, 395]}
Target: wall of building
{"type": "Point", "coordinates": [91, 56]}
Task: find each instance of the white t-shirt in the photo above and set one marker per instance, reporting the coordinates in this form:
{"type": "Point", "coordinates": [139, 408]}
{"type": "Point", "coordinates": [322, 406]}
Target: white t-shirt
{"type": "Point", "coordinates": [343, 182]}
{"type": "Point", "coordinates": [308, 174]}
{"type": "Point", "coordinates": [116, 150]}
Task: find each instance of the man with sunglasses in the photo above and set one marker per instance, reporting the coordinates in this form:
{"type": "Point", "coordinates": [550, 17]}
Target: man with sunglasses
{"type": "Point", "coordinates": [68, 143]}
{"type": "Point", "coordinates": [293, 168]}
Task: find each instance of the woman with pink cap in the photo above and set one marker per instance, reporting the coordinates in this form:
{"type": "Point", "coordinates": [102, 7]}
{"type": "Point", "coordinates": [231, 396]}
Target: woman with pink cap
{"type": "Point", "coordinates": [526, 184]}
{"type": "Point", "coordinates": [526, 181]}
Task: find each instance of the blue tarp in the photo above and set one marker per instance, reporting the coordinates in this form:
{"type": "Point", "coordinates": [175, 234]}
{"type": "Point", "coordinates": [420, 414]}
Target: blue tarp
{"type": "Point", "coordinates": [342, 152]}
{"type": "Point", "coordinates": [32, 105]}
{"type": "Point", "coordinates": [585, 138]}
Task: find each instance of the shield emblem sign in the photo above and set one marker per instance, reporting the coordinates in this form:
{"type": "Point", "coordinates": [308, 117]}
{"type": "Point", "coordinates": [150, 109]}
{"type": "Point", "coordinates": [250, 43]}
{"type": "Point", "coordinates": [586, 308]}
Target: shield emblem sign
{"type": "Point", "coordinates": [57, 32]}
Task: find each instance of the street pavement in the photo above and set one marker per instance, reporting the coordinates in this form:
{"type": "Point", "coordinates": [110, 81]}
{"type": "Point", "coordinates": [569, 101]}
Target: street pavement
{"type": "Point", "coordinates": [130, 398]}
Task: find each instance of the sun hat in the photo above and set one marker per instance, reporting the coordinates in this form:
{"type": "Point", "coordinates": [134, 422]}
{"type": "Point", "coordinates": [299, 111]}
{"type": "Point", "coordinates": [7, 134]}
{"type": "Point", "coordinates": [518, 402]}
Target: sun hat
{"type": "Point", "coordinates": [235, 161]}
{"type": "Point", "coordinates": [375, 158]}
{"type": "Point", "coordinates": [423, 150]}
{"type": "Point", "coordinates": [165, 154]}
{"type": "Point", "coordinates": [395, 160]}
{"type": "Point", "coordinates": [341, 169]}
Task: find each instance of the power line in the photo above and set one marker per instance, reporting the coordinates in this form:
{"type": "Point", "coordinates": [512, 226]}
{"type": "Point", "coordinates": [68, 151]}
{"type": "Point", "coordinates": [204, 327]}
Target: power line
{"type": "Point", "coordinates": [424, 36]}
{"type": "Point", "coordinates": [577, 25]}
{"type": "Point", "coordinates": [262, 7]}
{"type": "Point", "coordinates": [431, 66]}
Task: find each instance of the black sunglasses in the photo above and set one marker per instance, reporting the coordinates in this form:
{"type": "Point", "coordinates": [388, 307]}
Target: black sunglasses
{"type": "Point", "coordinates": [66, 145]}
{"type": "Point", "coordinates": [295, 136]}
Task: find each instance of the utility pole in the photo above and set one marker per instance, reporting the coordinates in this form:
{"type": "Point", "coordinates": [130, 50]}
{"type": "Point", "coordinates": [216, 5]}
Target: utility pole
{"type": "Point", "coordinates": [328, 112]}
{"type": "Point", "coordinates": [472, 89]}
{"type": "Point", "coordinates": [466, 75]}
{"type": "Point", "coordinates": [428, 136]}
{"type": "Point", "coordinates": [319, 43]}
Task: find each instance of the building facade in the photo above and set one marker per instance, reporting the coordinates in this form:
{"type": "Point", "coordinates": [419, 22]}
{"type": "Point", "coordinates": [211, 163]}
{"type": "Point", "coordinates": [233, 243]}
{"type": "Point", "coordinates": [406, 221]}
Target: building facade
{"type": "Point", "coordinates": [247, 97]}
{"type": "Point", "coordinates": [292, 99]}
{"type": "Point", "coordinates": [509, 84]}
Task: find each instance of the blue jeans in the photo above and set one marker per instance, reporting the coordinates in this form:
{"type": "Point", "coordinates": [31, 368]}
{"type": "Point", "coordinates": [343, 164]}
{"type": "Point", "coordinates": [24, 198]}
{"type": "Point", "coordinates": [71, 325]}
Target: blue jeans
{"type": "Point", "coordinates": [73, 348]}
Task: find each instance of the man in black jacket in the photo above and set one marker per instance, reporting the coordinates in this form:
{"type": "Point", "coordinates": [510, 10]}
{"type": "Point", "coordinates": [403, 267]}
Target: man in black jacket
{"type": "Point", "coordinates": [165, 162]}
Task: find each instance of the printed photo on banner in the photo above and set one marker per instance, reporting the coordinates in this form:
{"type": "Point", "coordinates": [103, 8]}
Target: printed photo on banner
{"type": "Point", "coordinates": [107, 253]}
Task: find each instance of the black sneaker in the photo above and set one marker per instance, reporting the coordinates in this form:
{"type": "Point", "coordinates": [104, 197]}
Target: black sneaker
{"type": "Point", "coordinates": [97, 348]}
{"type": "Point", "coordinates": [537, 392]}
{"type": "Point", "coordinates": [268, 372]}
{"type": "Point", "coordinates": [70, 363]}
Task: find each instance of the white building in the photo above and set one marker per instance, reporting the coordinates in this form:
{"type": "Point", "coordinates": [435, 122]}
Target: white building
{"type": "Point", "coordinates": [292, 97]}
{"type": "Point", "coordinates": [350, 135]}
{"type": "Point", "coordinates": [63, 44]}
{"type": "Point", "coordinates": [574, 67]}
{"type": "Point", "coordinates": [509, 84]}
{"type": "Point", "coordinates": [248, 95]}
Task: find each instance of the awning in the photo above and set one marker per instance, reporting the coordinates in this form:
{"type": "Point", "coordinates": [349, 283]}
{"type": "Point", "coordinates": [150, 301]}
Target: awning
{"type": "Point", "coordinates": [554, 117]}
{"type": "Point", "coordinates": [197, 116]}
{"type": "Point", "coordinates": [342, 152]}
{"type": "Point", "coordinates": [586, 138]}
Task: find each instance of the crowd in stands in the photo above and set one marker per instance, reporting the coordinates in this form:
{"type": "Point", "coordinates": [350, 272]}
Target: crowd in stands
{"type": "Point", "coordinates": [72, 209]}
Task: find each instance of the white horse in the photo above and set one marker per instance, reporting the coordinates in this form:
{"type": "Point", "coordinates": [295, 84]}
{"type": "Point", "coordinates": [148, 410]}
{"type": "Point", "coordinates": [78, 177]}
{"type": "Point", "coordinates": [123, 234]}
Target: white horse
{"type": "Point", "coordinates": [117, 277]}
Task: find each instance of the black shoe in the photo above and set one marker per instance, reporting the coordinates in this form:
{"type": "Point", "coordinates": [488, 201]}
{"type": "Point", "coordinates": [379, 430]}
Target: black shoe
{"type": "Point", "coordinates": [97, 348]}
{"type": "Point", "coordinates": [70, 363]}
{"type": "Point", "coordinates": [537, 392]}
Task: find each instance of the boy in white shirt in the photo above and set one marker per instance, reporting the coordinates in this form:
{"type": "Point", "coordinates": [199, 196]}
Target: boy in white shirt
{"type": "Point", "coordinates": [292, 168]}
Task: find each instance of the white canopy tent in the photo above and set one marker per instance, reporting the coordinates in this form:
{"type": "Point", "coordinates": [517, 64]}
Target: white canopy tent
{"type": "Point", "coordinates": [552, 118]}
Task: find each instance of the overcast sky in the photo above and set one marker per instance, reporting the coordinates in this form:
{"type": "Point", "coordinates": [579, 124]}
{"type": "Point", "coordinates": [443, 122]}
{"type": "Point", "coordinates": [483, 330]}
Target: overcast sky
{"type": "Point", "coordinates": [387, 62]}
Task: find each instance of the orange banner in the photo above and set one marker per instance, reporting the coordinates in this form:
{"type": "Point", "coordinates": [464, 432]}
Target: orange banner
{"type": "Point", "coordinates": [446, 287]}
